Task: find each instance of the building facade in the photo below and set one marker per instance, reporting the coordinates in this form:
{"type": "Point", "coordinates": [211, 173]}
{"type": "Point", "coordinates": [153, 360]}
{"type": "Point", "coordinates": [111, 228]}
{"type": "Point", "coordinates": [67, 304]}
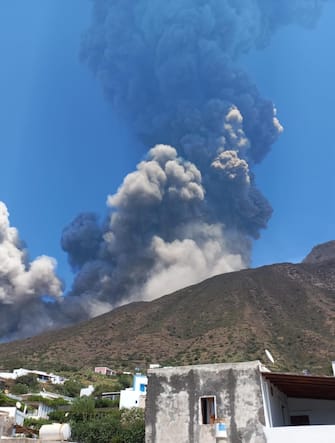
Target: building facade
{"type": "Point", "coordinates": [238, 403]}
{"type": "Point", "coordinates": [103, 370]}
{"type": "Point", "coordinates": [135, 396]}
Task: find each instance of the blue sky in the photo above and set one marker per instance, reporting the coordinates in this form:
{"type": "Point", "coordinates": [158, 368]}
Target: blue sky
{"type": "Point", "coordinates": [63, 149]}
{"type": "Point", "coordinates": [297, 72]}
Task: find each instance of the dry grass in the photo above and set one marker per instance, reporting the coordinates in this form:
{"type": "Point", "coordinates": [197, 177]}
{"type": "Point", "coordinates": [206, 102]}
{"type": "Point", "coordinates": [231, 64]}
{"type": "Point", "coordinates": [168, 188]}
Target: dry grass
{"type": "Point", "coordinates": [231, 317]}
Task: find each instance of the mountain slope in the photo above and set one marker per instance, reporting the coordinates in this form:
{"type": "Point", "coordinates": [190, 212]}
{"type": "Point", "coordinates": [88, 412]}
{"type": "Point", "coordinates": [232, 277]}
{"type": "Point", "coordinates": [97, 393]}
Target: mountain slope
{"type": "Point", "coordinates": [321, 253]}
{"type": "Point", "coordinates": [288, 308]}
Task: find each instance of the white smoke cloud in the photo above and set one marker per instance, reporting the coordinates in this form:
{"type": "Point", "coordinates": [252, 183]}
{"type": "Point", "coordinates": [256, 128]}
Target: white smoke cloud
{"type": "Point", "coordinates": [233, 126]}
{"type": "Point", "coordinates": [181, 263]}
{"type": "Point", "coordinates": [19, 279]}
{"type": "Point", "coordinates": [23, 284]}
{"type": "Point", "coordinates": [164, 174]}
{"type": "Point", "coordinates": [232, 167]}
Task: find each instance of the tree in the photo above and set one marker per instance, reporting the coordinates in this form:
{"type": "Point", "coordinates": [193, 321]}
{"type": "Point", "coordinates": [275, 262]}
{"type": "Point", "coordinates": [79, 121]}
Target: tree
{"type": "Point", "coordinates": [19, 388]}
{"type": "Point", "coordinates": [72, 387]}
{"type": "Point", "coordinates": [82, 409]}
{"type": "Point", "coordinates": [98, 430]}
{"type": "Point", "coordinates": [125, 380]}
{"type": "Point", "coordinates": [30, 380]}
{"type": "Point", "coordinates": [106, 403]}
{"type": "Point", "coordinates": [58, 416]}
{"type": "Point", "coordinates": [132, 425]}
{"type": "Point", "coordinates": [105, 425]}
{"type": "Point", "coordinates": [6, 401]}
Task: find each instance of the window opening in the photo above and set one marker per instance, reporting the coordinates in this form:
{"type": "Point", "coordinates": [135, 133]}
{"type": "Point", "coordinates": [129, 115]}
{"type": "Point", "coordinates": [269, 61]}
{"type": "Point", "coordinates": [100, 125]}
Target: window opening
{"type": "Point", "coordinates": [208, 410]}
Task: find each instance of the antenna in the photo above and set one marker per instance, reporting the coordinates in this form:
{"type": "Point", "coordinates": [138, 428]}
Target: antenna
{"type": "Point", "coordinates": [269, 356]}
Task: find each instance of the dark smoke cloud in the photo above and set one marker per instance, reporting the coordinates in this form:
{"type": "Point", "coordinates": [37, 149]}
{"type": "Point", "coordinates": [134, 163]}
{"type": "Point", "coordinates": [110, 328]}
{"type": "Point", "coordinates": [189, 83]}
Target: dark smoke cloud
{"type": "Point", "coordinates": [192, 207]}
{"type": "Point", "coordinates": [82, 238]}
{"type": "Point", "coordinates": [158, 212]}
{"type": "Point", "coordinates": [183, 76]}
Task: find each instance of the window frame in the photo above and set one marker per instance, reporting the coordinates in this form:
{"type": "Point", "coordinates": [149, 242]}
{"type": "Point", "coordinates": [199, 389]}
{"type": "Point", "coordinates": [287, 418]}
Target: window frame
{"type": "Point", "coordinates": [207, 420]}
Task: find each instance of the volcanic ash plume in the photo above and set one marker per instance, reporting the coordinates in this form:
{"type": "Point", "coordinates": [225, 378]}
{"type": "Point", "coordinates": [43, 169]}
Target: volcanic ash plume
{"type": "Point", "coordinates": [22, 285]}
{"type": "Point", "coordinates": [157, 237]}
{"type": "Point", "coordinates": [192, 208]}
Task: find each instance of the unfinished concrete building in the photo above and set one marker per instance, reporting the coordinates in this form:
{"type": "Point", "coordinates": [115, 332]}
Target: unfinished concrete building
{"type": "Point", "coordinates": [238, 403]}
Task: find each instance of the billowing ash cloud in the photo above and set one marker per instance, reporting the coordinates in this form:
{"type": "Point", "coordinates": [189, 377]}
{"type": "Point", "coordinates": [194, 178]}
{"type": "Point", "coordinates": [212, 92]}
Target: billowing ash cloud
{"type": "Point", "coordinates": [170, 67]}
{"type": "Point", "coordinates": [83, 239]}
{"type": "Point", "coordinates": [192, 208]}
{"type": "Point", "coordinates": [23, 284]}
{"type": "Point", "coordinates": [158, 236]}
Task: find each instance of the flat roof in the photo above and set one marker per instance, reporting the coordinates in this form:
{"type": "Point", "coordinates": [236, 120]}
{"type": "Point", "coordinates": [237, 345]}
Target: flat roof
{"type": "Point", "coordinates": [303, 386]}
{"type": "Point", "coordinates": [207, 367]}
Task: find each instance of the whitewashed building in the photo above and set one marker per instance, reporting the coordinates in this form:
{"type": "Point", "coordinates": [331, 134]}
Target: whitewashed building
{"type": "Point", "coordinates": [135, 396]}
{"type": "Point", "coordinates": [86, 392]}
{"type": "Point", "coordinates": [41, 376]}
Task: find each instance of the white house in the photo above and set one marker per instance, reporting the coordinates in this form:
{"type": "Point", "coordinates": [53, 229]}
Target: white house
{"type": "Point", "coordinates": [134, 397]}
{"type": "Point", "coordinates": [238, 403]}
{"type": "Point", "coordinates": [86, 392]}
{"type": "Point", "coordinates": [13, 413]}
{"type": "Point", "coordinates": [39, 409]}
{"type": "Point", "coordinates": [41, 376]}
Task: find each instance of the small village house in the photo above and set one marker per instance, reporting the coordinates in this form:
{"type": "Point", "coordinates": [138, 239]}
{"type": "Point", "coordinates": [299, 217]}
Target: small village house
{"type": "Point", "coordinates": [135, 396]}
{"type": "Point", "coordinates": [103, 370]}
{"type": "Point", "coordinates": [41, 376]}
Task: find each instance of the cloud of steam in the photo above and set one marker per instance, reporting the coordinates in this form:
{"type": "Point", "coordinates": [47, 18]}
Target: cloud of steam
{"type": "Point", "coordinates": [192, 207]}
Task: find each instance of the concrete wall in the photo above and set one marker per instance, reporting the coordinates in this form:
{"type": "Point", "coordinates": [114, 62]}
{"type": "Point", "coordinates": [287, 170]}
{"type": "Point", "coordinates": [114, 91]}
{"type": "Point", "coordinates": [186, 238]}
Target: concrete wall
{"type": "Point", "coordinates": [15, 414]}
{"type": "Point", "coordinates": [173, 412]}
{"type": "Point", "coordinates": [6, 425]}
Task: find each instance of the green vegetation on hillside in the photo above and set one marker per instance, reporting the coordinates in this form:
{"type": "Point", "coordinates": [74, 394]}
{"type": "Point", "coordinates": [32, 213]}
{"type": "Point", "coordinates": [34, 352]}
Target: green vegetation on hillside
{"type": "Point", "coordinates": [93, 421]}
{"type": "Point", "coordinates": [106, 425]}
{"type": "Point", "coordinates": [288, 308]}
